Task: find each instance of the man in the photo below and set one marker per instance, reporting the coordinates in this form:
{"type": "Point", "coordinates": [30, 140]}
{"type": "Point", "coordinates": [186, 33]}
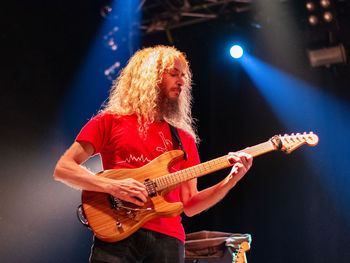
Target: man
{"type": "Point", "coordinates": [152, 91]}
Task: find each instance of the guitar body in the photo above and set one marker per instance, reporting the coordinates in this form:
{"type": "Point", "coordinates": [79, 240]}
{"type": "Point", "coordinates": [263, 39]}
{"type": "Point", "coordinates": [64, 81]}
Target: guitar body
{"type": "Point", "coordinates": [112, 224]}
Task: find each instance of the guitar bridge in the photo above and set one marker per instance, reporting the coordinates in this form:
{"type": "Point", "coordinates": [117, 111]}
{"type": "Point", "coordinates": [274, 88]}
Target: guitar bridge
{"type": "Point", "coordinates": [118, 204]}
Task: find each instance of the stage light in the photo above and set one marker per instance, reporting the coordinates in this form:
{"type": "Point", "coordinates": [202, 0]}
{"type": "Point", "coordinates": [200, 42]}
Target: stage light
{"type": "Point", "coordinates": [325, 3]}
{"type": "Point", "coordinates": [313, 20]}
{"type": "Point", "coordinates": [122, 37]}
{"type": "Point", "coordinates": [328, 16]}
{"type": "Point", "coordinates": [236, 51]}
{"type": "Point", "coordinates": [105, 11]}
{"type": "Point", "coordinates": [321, 14]}
{"type": "Point", "coordinates": [112, 70]}
{"type": "Point", "coordinates": [327, 56]}
{"type": "Point", "coordinates": [310, 6]}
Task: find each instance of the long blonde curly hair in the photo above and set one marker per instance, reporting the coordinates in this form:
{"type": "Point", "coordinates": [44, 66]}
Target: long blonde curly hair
{"type": "Point", "coordinates": [137, 89]}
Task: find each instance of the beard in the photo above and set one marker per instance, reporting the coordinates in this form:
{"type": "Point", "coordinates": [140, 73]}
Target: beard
{"type": "Point", "coordinates": [169, 108]}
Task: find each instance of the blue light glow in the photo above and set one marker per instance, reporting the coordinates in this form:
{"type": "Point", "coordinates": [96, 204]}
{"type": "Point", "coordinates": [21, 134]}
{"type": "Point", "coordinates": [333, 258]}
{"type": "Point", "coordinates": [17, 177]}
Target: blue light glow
{"type": "Point", "coordinates": [302, 107]}
{"type": "Point", "coordinates": [91, 85]}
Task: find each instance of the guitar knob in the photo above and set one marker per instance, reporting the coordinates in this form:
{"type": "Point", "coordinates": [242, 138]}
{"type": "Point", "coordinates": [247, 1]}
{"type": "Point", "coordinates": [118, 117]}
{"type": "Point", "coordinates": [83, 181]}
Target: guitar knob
{"type": "Point", "coordinates": [119, 225]}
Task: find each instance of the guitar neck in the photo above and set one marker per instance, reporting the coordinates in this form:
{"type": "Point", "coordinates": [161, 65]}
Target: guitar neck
{"type": "Point", "coordinates": [211, 166]}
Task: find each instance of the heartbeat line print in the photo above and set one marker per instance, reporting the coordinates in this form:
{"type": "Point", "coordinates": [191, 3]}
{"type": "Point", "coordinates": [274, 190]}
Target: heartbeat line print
{"type": "Point", "coordinates": [132, 158]}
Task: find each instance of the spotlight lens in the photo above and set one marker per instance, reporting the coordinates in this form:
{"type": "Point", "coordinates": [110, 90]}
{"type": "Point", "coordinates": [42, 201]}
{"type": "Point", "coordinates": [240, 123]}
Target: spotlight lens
{"type": "Point", "coordinates": [325, 3]}
{"type": "Point", "coordinates": [328, 17]}
{"type": "Point", "coordinates": [105, 11]}
{"type": "Point", "coordinates": [310, 6]}
{"type": "Point", "coordinates": [313, 20]}
{"type": "Point", "coordinates": [236, 51]}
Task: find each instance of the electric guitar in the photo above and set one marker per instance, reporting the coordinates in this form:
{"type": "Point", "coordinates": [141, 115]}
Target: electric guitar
{"type": "Point", "coordinates": [112, 219]}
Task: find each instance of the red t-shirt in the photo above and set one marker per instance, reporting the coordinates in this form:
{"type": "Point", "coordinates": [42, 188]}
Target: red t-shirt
{"type": "Point", "coordinates": [118, 141]}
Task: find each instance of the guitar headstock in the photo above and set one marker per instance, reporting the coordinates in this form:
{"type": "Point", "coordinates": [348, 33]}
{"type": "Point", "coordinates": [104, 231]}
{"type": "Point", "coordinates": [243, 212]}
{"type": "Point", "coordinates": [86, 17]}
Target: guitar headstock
{"type": "Point", "coordinates": [240, 255]}
{"type": "Point", "coordinates": [289, 143]}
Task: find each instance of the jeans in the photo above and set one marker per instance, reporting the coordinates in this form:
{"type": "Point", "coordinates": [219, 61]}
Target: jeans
{"type": "Point", "coordinates": [143, 246]}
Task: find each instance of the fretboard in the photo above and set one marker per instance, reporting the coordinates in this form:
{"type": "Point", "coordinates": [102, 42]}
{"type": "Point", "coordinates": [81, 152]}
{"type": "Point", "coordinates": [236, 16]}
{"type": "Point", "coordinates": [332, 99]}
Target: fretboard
{"type": "Point", "coordinates": [211, 166]}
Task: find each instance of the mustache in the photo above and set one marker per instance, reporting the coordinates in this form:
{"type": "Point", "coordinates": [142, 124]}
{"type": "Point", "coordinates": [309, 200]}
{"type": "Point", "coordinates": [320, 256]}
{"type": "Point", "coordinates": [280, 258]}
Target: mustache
{"type": "Point", "coordinates": [176, 89]}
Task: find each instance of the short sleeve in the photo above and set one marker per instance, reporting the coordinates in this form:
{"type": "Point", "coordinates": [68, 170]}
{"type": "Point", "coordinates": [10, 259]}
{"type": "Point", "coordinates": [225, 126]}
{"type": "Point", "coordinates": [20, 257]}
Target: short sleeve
{"type": "Point", "coordinates": [94, 132]}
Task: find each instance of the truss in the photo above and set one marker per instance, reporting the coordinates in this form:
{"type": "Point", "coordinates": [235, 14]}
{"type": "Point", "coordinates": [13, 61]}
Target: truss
{"type": "Point", "coordinates": [161, 15]}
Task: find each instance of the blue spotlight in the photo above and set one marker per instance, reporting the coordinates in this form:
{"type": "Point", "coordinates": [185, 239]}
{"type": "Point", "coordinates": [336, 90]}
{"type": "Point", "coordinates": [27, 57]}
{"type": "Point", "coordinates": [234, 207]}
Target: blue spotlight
{"type": "Point", "coordinates": [236, 51]}
{"type": "Point", "coordinates": [301, 106]}
{"type": "Point", "coordinates": [91, 86]}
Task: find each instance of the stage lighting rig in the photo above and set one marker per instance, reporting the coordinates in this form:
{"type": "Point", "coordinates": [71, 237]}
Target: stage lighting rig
{"type": "Point", "coordinates": [321, 13]}
{"type": "Point", "coordinates": [121, 30]}
{"type": "Point", "coordinates": [163, 15]}
{"type": "Point", "coordinates": [325, 49]}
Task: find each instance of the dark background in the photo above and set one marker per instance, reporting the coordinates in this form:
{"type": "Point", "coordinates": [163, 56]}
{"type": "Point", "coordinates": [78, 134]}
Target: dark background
{"type": "Point", "coordinates": [46, 97]}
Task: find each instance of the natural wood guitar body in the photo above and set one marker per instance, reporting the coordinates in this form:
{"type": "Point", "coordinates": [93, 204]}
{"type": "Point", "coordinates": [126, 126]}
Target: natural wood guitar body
{"type": "Point", "coordinates": [103, 219]}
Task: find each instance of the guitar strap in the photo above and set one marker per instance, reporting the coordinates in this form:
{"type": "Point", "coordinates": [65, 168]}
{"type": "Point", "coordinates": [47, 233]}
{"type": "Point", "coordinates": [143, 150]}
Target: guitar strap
{"type": "Point", "coordinates": [175, 134]}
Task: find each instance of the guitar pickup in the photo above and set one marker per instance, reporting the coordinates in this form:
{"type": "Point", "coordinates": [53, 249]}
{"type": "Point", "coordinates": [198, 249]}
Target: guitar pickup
{"type": "Point", "coordinates": [150, 187]}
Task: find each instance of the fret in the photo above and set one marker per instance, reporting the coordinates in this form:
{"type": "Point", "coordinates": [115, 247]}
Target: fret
{"type": "Point", "coordinates": [177, 178]}
{"type": "Point", "coordinates": [157, 182]}
{"type": "Point", "coordinates": [164, 182]}
{"type": "Point", "coordinates": [210, 165]}
{"type": "Point", "coordinates": [196, 170]}
{"type": "Point", "coordinates": [259, 148]}
{"type": "Point", "coordinates": [168, 179]}
{"type": "Point", "coordinates": [191, 174]}
{"type": "Point", "coordinates": [183, 176]}
{"type": "Point", "coordinates": [171, 177]}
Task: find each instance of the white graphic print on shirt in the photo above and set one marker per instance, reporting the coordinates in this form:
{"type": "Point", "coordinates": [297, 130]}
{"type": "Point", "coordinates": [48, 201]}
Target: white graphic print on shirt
{"type": "Point", "coordinates": [167, 146]}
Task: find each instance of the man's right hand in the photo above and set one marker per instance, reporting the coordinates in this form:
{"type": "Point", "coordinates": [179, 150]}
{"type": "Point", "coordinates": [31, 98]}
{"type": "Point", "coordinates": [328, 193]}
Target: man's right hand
{"type": "Point", "coordinates": [128, 190]}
